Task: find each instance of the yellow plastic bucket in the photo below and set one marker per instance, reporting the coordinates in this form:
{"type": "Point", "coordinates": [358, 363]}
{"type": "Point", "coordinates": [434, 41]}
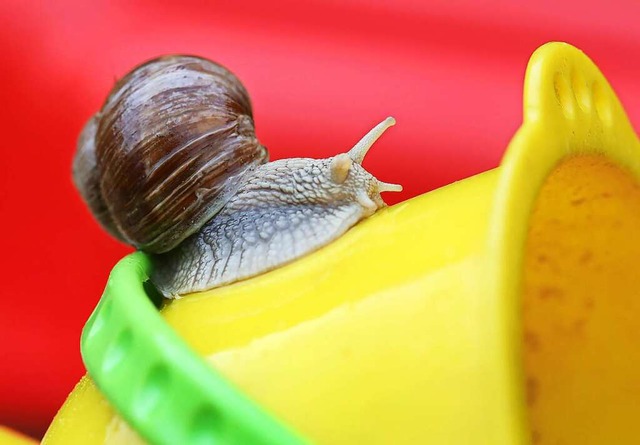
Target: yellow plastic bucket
{"type": "Point", "coordinates": [497, 310]}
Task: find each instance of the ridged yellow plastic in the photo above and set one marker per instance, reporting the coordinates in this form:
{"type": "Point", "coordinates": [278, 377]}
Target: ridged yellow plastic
{"type": "Point", "coordinates": [409, 328]}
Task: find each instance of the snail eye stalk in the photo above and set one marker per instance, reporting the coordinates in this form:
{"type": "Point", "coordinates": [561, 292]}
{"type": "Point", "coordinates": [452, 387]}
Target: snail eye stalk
{"type": "Point", "coordinates": [359, 151]}
{"type": "Point", "coordinates": [386, 187]}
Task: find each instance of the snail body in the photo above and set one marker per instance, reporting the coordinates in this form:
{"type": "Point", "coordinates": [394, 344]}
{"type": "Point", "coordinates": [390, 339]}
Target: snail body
{"type": "Point", "coordinates": [171, 165]}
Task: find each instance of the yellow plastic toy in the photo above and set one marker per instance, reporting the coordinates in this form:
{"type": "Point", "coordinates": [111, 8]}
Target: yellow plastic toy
{"type": "Point", "coordinates": [501, 309]}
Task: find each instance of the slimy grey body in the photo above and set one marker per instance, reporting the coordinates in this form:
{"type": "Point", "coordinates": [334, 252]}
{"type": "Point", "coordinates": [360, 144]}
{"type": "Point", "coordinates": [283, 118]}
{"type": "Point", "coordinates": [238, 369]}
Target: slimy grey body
{"type": "Point", "coordinates": [283, 210]}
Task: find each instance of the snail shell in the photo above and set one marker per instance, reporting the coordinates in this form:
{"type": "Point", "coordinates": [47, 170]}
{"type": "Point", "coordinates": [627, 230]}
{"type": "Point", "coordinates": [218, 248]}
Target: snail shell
{"type": "Point", "coordinates": [166, 151]}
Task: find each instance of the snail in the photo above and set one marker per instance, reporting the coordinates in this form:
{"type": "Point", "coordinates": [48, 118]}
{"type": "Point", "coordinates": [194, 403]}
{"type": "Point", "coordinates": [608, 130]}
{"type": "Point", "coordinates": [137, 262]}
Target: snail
{"type": "Point", "coordinates": [171, 165]}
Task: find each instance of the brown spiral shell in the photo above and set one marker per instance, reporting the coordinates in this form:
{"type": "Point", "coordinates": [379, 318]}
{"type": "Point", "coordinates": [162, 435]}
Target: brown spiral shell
{"type": "Point", "coordinates": [166, 151]}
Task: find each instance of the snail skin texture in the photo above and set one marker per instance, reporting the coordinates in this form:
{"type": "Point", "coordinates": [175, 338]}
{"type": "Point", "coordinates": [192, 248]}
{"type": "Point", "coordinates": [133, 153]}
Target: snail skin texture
{"type": "Point", "coordinates": [171, 166]}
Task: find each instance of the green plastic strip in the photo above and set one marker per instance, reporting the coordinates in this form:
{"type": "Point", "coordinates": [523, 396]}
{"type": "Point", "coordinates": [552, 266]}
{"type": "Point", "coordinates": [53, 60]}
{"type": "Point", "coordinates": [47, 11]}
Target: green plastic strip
{"type": "Point", "coordinates": [163, 389]}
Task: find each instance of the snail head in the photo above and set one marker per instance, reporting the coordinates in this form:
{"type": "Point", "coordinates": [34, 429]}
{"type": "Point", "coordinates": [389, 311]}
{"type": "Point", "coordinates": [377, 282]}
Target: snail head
{"type": "Point", "coordinates": [351, 181]}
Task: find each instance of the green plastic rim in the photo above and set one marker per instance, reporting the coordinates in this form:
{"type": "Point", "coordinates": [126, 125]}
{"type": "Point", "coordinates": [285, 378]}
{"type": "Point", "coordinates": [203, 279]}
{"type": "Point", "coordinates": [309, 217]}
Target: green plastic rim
{"type": "Point", "coordinates": [161, 387]}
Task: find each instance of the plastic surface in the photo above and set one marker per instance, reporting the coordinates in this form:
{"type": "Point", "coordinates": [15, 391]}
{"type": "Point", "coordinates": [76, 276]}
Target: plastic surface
{"type": "Point", "coordinates": [408, 329]}
{"type": "Point", "coordinates": [580, 306]}
{"type": "Point", "coordinates": [154, 380]}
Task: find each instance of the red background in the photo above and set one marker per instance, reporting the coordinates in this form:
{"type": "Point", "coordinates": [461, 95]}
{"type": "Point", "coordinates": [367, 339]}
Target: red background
{"type": "Point", "coordinates": [320, 73]}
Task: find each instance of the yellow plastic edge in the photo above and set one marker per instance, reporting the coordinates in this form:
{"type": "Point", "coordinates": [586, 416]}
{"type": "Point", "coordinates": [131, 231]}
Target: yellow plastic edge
{"type": "Point", "coordinates": [569, 109]}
